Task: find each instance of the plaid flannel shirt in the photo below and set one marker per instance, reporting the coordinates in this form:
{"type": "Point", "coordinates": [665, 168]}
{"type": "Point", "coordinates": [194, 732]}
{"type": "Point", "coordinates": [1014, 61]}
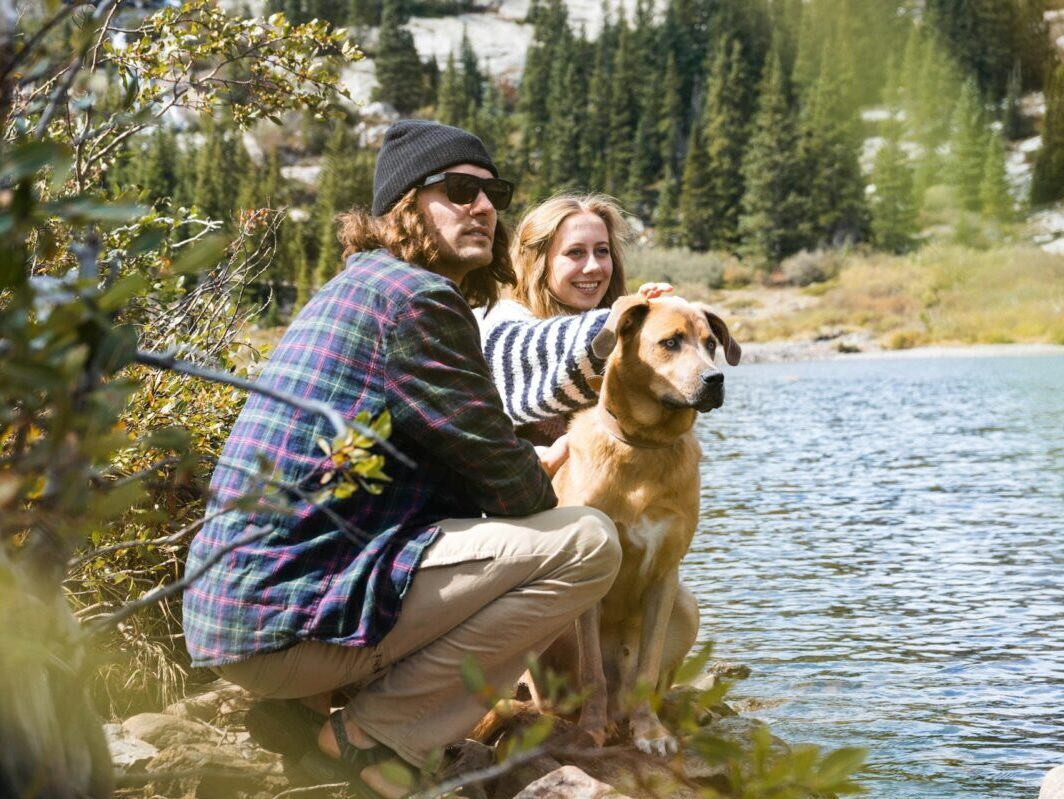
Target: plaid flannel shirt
{"type": "Point", "coordinates": [381, 335]}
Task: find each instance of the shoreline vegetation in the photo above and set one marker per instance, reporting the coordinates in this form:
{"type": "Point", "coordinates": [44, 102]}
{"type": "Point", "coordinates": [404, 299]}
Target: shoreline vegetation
{"type": "Point", "coordinates": [940, 300]}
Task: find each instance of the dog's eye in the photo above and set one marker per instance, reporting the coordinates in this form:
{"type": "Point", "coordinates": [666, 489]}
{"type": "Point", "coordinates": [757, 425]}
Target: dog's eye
{"type": "Point", "coordinates": [671, 343]}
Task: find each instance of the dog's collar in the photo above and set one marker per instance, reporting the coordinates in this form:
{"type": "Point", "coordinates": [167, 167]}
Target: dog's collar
{"type": "Point", "coordinates": [613, 427]}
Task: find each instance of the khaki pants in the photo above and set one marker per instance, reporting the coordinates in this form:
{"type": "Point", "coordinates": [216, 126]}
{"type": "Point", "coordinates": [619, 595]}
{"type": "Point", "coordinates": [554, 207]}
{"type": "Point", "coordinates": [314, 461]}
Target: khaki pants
{"type": "Point", "coordinates": [497, 589]}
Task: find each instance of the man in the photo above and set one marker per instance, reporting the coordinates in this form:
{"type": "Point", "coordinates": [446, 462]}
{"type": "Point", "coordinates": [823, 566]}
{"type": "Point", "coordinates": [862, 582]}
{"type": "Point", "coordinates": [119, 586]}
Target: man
{"type": "Point", "coordinates": [388, 617]}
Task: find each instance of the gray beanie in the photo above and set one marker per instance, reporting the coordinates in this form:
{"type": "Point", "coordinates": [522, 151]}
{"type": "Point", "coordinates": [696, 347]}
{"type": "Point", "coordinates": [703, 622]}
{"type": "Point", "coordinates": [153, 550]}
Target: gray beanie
{"type": "Point", "coordinates": [413, 149]}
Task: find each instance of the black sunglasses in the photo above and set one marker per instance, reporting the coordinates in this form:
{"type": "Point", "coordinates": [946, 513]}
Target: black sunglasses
{"type": "Point", "coordinates": [463, 189]}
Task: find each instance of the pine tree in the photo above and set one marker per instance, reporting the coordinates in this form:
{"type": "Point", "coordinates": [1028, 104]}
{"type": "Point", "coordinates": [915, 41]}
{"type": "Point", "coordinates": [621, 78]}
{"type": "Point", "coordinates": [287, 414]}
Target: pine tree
{"type": "Point", "coordinates": [893, 205]}
{"type": "Point", "coordinates": [1015, 124]}
{"type": "Point", "coordinates": [672, 117]}
{"type": "Point", "coordinates": [430, 81]}
{"type": "Point", "coordinates": [594, 149]}
{"type": "Point", "coordinates": [770, 224]}
{"type": "Point", "coordinates": [724, 141]}
{"type": "Point", "coordinates": [624, 111]}
{"type": "Point", "coordinates": [695, 218]}
{"type": "Point", "coordinates": [330, 200]}
{"type": "Point", "coordinates": [304, 278]}
{"type": "Point", "coordinates": [157, 173]}
{"type": "Point", "coordinates": [968, 147]}
{"type": "Point", "coordinates": [364, 13]}
{"type": "Point", "coordinates": [453, 107]}
{"type": "Point", "coordinates": [834, 206]}
{"type": "Point", "coordinates": [1047, 182]}
{"type": "Point", "coordinates": [493, 125]}
{"type": "Point", "coordinates": [397, 62]}
{"type": "Point", "coordinates": [472, 79]}
{"type": "Point", "coordinates": [217, 173]}
{"type": "Point", "coordinates": [666, 225]}
{"type": "Point", "coordinates": [995, 199]}
{"type": "Point", "coordinates": [562, 137]}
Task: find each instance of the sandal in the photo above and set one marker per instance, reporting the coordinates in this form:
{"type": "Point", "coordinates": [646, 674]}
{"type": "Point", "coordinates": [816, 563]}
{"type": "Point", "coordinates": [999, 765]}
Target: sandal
{"type": "Point", "coordinates": [353, 760]}
{"type": "Point", "coordinates": [285, 726]}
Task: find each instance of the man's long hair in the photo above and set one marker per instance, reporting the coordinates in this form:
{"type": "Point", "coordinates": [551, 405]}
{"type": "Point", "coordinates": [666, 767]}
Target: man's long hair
{"type": "Point", "coordinates": [403, 233]}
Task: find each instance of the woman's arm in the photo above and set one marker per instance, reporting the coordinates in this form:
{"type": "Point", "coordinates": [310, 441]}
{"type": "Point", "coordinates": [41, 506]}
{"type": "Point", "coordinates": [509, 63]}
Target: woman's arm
{"type": "Point", "coordinates": [541, 367]}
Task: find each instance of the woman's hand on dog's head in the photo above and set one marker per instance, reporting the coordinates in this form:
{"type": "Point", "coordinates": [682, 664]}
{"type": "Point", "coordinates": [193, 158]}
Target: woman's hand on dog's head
{"type": "Point", "coordinates": [654, 290]}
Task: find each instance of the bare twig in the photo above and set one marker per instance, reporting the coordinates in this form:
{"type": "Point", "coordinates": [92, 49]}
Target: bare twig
{"type": "Point", "coordinates": [172, 538]}
{"type": "Point", "coordinates": [159, 360]}
{"type": "Point", "coordinates": [310, 789]}
{"type": "Point", "coordinates": [171, 589]}
{"type": "Point", "coordinates": [481, 775]}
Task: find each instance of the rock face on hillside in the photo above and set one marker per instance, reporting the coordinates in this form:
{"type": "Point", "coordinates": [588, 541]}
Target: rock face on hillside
{"type": "Point", "coordinates": [498, 34]}
{"type": "Point", "coordinates": [199, 748]}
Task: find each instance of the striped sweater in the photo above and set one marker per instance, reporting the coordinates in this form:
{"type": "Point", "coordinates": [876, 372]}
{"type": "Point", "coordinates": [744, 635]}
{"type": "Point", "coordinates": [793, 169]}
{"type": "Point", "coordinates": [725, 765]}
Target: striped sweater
{"type": "Point", "coordinates": [541, 367]}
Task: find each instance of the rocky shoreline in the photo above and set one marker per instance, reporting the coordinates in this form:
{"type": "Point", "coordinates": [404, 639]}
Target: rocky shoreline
{"type": "Point", "coordinates": [864, 345]}
{"type": "Point", "coordinates": [199, 748]}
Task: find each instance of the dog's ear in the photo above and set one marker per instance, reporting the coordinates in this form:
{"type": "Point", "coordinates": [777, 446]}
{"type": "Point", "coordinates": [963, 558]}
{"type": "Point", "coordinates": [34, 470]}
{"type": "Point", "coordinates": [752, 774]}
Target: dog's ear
{"type": "Point", "coordinates": [732, 351]}
{"type": "Point", "coordinates": [626, 311]}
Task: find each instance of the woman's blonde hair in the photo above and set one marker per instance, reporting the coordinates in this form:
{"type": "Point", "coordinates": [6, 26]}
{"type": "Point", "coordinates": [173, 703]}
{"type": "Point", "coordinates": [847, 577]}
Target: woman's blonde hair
{"type": "Point", "coordinates": [403, 233]}
{"type": "Point", "coordinates": [532, 243]}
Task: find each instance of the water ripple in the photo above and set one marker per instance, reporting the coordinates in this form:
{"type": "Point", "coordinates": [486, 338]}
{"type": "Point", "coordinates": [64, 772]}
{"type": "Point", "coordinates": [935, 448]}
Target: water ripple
{"type": "Point", "coordinates": [881, 543]}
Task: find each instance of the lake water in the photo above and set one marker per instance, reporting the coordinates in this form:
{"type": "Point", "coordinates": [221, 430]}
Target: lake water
{"type": "Point", "coordinates": [881, 541]}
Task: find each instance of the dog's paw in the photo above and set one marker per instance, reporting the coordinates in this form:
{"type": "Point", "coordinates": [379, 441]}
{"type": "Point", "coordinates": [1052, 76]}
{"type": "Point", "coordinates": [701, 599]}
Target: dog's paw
{"type": "Point", "coordinates": [662, 747]}
{"type": "Point", "coordinates": [651, 738]}
{"type": "Point", "coordinates": [594, 723]}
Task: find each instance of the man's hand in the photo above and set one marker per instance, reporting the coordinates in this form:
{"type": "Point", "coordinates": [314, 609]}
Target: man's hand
{"type": "Point", "coordinates": [554, 456]}
{"type": "Point", "coordinates": [654, 290]}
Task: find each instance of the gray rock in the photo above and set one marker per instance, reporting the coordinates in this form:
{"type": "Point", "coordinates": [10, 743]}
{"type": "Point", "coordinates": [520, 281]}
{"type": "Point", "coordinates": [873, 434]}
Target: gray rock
{"type": "Point", "coordinates": [127, 754]}
{"type": "Point", "coordinates": [1053, 784]}
{"type": "Point", "coordinates": [568, 782]}
{"type": "Point", "coordinates": [731, 671]}
{"type": "Point", "coordinates": [162, 730]}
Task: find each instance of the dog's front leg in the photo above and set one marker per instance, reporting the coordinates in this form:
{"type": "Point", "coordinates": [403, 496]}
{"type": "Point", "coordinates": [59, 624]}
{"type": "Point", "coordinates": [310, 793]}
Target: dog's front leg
{"type": "Point", "coordinates": [648, 733]}
{"type": "Point", "coordinates": [593, 713]}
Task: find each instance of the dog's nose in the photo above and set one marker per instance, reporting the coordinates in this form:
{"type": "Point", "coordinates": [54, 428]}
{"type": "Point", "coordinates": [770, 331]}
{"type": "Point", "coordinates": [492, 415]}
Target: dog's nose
{"type": "Point", "coordinates": [712, 378]}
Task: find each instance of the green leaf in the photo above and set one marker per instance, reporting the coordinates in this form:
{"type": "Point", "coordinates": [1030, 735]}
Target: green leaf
{"type": "Point", "coordinates": [172, 437]}
{"type": "Point", "coordinates": [120, 293]}
{"type": "Point", "coordinates": [841, 763]}
{"type": "Point", "coordinates": [117, 350]}
{"type": "Point", "coordinates": [146, 241]}
{"type": "Point", "coordinates": [201, 255]}
{"type": "Point", "coordinates": [694, 666]}
{"type": "Point", "coordinates": [397, 774]}
{"type": "Point", "coordinates": [473, 675]}
{"type": "Point", "coordinates": [537, 733]}
{"type": "Point", "coordinates": [84, 208]}
{"type": "Point", "coordinates": [28, 159]}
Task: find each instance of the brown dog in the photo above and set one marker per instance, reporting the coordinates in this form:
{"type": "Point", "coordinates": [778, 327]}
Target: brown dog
{"type": "Point", "coordinates": [634, 456]}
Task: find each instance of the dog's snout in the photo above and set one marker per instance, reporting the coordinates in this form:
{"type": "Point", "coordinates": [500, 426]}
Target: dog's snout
{"type": "Point", "coordinates": [712, 378]}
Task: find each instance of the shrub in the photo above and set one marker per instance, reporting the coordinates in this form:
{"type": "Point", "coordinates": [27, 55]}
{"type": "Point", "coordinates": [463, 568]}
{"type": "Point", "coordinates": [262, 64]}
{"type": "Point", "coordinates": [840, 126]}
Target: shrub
{"type": "Point", "coordinates": [805, 267]}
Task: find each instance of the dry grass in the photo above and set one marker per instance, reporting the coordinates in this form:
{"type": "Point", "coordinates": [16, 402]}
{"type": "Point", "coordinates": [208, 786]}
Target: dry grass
{"type": "Point", "coordinates": [939, 295]}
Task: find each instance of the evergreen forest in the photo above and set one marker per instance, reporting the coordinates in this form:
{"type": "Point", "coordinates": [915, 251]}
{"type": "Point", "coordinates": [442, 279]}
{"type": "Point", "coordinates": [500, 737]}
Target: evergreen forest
{"type": "Point", "coordinates": [759, 128]}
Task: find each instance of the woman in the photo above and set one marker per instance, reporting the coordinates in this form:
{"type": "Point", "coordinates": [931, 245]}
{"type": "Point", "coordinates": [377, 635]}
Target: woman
{"type": "Point", "coordinates": [568, 257]}
{"type": "Point", "coordinates": [567, 253]}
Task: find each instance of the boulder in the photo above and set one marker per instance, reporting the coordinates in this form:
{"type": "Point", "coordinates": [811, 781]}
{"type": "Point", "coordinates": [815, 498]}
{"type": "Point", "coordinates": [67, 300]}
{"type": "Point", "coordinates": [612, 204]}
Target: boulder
{"type": "Point", "coordinates": [127, 754]}
{"type": "Point", "coordinates": [215, 770]}
{"type": "Point", "coordinates": [221, 702]}
{"type": "Point", "coordinates": [162, 730]}
{"type": "Point", "coordinates": [568, 782]}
